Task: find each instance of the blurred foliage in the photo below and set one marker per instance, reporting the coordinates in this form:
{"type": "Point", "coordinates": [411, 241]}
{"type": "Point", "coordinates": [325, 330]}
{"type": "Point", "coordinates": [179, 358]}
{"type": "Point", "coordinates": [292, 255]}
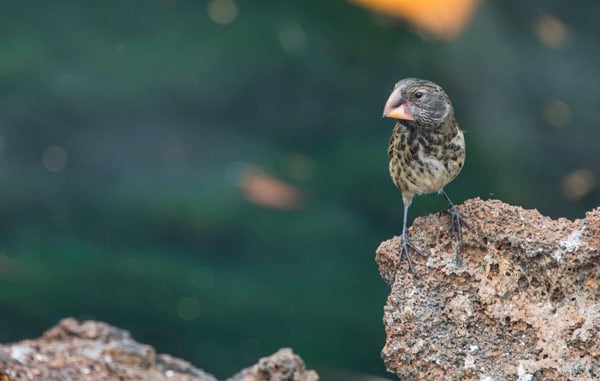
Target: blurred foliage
{"type": "Point", "coordinates": [126, 127]}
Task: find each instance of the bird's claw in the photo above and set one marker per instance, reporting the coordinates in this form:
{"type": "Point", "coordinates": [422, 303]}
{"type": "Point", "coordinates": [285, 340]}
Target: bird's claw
{"type": "Point", "coordinates": [457, 221]}
{"type": "Point", "coordinates": [406, 245]}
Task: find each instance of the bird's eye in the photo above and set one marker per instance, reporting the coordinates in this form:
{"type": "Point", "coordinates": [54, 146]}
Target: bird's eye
{"type": "Point", "coordinates": [419, 94]}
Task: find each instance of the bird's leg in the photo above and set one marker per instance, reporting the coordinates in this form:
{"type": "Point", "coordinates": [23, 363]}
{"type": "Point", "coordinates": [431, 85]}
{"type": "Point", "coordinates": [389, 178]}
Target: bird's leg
{"type": "Point", "coordinates": [456, 219]}
{"type": "Point", "coordinates": [406, 244]}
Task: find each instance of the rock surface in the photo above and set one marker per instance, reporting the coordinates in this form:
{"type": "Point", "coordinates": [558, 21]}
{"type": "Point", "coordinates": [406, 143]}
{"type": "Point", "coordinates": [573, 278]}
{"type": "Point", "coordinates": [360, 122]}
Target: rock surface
{"type": "Point", "coordinates": [521, 302]}
{"type": "Point", "coordinates": [284, 365]}
{"type": "Point", "coordinates": [93, 351]}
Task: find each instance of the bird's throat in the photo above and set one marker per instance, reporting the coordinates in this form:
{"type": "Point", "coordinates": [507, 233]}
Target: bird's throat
{"type": "Point", "coordinates": [416, 133]}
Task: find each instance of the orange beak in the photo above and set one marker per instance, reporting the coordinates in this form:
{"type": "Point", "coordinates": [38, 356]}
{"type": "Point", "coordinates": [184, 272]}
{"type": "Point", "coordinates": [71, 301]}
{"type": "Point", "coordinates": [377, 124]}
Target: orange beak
{"type": "Point", "coordinates": [396, 107]}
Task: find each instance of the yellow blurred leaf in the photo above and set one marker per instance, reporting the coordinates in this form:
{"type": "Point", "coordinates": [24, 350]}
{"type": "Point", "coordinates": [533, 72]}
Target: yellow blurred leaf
{"type": "Point", "coordinates": [438, 18]}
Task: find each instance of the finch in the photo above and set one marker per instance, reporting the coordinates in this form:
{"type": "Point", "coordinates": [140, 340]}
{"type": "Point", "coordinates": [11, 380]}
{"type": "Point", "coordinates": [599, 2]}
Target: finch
{"type": "Point", "coordinates": [426, 150]}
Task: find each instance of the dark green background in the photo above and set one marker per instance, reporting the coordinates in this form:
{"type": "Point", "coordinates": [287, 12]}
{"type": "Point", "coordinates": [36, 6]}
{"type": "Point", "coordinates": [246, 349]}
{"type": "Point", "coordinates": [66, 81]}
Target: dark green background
{"type": "Point", "coordinates": [159, 109]}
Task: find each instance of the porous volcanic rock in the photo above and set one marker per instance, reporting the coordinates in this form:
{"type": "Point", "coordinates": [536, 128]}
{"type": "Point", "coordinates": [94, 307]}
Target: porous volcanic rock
{"type": "Point", "coordinates": [522, 301]}
{"type": "Point", "coordinates": [283, 365]}
{"type": "Point", "coordinates": [93, 351]}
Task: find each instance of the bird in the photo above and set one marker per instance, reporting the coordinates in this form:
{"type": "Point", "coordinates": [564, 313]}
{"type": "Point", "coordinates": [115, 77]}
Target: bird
{"type": "Point", "coordinates": [426, 150]}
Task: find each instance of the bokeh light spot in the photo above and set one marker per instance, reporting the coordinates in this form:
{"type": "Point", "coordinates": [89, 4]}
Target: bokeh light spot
{"type": "Point", "coordinates": [556, 113]}
{"type": "Point", "coordinates": [54, 159]}
{"type": "Point", "coordinates": [577, 184]}
{"type": "Point", "coordinates": [438, 18]}
{"type": "Point", "coordinates": [551, 31]}
{"type": "Point", "coordinates": [265, 190]}
{"type": "Point", "coordinates": [8, 267]}
{"type": "Point", "coordinates": [292, 38]}
{"type": "Point", "coordinates": [222, 12]}
{"type": "Point", "coordinates": [188, 308]}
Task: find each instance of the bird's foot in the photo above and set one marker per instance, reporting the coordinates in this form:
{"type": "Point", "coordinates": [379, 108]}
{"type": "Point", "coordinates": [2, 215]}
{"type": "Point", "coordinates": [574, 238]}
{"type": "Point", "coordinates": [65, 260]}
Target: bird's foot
{"type": "Point", "coordinates": [404, 250]}
{"type": "Point", "coordinates": [457, 221]}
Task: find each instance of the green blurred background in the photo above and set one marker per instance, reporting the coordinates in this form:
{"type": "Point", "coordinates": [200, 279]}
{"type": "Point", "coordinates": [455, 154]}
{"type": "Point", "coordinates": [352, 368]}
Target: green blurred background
{"type": "Point", "coordinates": [212, 176]}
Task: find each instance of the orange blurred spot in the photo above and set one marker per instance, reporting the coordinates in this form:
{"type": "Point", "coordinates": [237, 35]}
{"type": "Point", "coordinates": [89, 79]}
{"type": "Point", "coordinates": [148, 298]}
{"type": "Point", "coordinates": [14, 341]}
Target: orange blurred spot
{"type": "Point", "coordinates": [439, 18]}
{"type": "Point", "coordinates": [265, 190]}
{"type": "Point", "coordinates": [578, 184]}
{"type": "Point", "coordinates": [551, 31]}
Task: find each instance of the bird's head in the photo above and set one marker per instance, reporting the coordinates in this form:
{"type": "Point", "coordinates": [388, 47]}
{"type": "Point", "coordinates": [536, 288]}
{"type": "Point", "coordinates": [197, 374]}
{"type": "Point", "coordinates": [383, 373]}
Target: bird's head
{"type": "Point", "coordinates": [418, 100]}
